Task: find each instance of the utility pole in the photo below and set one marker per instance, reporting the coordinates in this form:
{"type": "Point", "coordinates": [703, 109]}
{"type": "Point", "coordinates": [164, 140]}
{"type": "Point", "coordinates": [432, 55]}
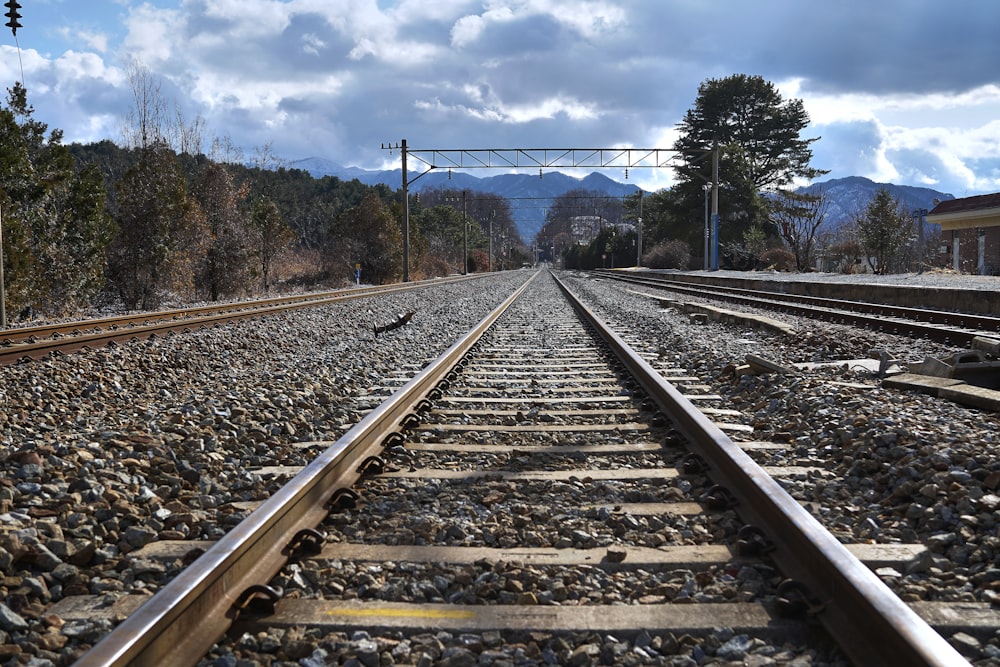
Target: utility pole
{"type": "Point", "coordinates": [406, 220]}
{"type": "Point", "coordinates": [638, 252]}
{"type": "Point", "coordinates": [715, 205]}
{"type": "Point", "coordinates": [3, 300]}
{"type": "Point", "coordinates": [465, 237]}
{"type": "Point", "coordinates": [707, 187]}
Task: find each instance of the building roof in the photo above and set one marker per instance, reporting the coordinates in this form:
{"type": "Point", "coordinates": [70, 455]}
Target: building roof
{"type": "Point", "coordinates": [967, 213]}
{"type": "Point", "coordinates": [964, 204]}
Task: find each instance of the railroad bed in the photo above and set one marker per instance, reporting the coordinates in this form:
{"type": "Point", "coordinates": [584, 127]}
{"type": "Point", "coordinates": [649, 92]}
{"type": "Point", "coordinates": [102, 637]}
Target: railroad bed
{"type": "Point", "coordinates": [535, 509]}
{"type": "Point", "coordinates": [847, 447]}
{"type": "Point", "coordinates": [538, 508]}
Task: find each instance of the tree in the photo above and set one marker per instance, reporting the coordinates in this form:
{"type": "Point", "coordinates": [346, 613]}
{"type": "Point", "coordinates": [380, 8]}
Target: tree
{"type": "Point", "coordinates": [661, 224]}
{"type": "Point", "coordinates": [226, 267]}
{"type": "Point", "coordinates": [270, 235]}
{"type": "Point", "coordinates": [744, 254]}
{"type": "Point", "coordinates": [144, 124]}
{"type": "Point", "coordinates": [441, 227]}
{"type": "Point", "coordinates": [581, 216]}
{"type": "Point", "coordinates": [374, 239]}
{"type": "Point", "coordinates": [56, 230]}
{"type": "Point", "coordinates": [884, 230]}
{"type": "Point", "coordinates": [161, 237]}
{"type": "Point", "coordinates": [757, 133]}
{"type": "Point", "coordinates": [798, 218]}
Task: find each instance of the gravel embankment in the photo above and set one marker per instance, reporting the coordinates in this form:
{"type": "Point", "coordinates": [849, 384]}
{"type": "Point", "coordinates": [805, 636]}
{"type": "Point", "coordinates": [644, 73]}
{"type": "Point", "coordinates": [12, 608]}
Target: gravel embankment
{"type": "Point", "coordinates": [108, 450]}
{"type": "Point", "coordinates": [906, 467]}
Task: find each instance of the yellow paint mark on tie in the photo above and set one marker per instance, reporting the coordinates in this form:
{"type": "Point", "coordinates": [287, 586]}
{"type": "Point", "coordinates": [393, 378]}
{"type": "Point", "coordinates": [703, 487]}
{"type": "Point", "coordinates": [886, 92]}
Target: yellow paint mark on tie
{"type": "Point", "coordinates": [401, 613]}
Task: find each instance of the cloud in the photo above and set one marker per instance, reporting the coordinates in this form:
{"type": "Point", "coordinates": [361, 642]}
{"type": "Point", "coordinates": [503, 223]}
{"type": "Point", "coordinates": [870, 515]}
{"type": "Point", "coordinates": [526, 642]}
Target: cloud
{"type": "Point", "coordinates": [898, 89]}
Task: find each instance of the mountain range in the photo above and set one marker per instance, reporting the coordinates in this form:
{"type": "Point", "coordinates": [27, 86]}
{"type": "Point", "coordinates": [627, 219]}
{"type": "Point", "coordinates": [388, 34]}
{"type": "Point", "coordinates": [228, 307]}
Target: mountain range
{"type": "Point", "coordinates": [530, 195]}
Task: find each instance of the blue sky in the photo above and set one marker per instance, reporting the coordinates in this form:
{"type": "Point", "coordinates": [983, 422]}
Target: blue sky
{"type": "Point", "coordinates": [901, 91]}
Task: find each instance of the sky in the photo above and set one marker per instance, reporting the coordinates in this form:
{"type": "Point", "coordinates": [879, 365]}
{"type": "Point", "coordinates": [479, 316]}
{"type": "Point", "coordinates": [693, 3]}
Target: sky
{"type": "Point", "coordinates": [898, 91]}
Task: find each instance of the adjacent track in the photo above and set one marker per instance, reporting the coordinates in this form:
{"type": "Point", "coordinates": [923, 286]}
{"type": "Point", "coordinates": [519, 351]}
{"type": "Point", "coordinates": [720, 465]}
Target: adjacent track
{"type": "Point", "coordinates": [943, 326]}
{"type": "Point", "coordinates": [18, 344]}
{"type": "Point", "coordinates": [553, 404]}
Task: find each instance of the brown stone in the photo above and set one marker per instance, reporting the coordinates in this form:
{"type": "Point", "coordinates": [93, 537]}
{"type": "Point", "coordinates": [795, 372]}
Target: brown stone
{"type": "Point", "coordinates": [616, 554]}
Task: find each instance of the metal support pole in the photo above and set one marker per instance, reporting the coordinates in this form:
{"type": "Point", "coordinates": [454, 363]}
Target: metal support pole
{"type": "Point", "coordinates": [981, 252]}
{"type": "Point", "coordinates": [707, 188]}
{"type": "Point", "coordinates": [3, 288]}
{"type": "Point", "coordinates": [715, 206]}
{"type": "Point", "coordinates": [406, 220]}
{"type": "Point", "coordinates": [918, 221]}
{"type": "Point", "coordinates": [465, 238]}
{"type": "Point", "coordinates": [638, 252]}
{"type": "Point", "coordinates": [956, 256]}
{"type": "Point", "coordinates": [489, 262]}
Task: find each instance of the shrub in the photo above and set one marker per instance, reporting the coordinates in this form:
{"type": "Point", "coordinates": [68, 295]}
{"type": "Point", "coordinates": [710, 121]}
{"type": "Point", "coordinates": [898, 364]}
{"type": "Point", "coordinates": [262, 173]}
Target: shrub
{"type": "Point", "coordinates": [780, 259]}
{"type": "Point", "coordinates": [668, 255]}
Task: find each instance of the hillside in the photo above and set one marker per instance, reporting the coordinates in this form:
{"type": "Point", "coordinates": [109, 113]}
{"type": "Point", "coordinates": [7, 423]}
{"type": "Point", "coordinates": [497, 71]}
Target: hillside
{"type": "Point", "coordinates": [849, 196]}
{"type": "Point", "coordinates": [531, 195]}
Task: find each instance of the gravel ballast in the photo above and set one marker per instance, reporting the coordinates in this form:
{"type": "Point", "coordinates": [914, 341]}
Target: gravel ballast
{"type": "Point", "coordinates": [108, 450]}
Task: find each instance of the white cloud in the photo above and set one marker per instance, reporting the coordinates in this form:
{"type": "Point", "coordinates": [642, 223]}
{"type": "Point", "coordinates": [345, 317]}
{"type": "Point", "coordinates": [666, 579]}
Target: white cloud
{"type": "Point", "coordinates": [589, 19]}
{"type": "Point", "coordinates": [533, 72]}
{"type": "Point", "coordinates": [73, 66]}
{"type": "Point", "coordinates": [153, 34]}
{"type": "Point", "coordinates": [94, 39]}
{"type": "Point", "coordinates": [489, 108]}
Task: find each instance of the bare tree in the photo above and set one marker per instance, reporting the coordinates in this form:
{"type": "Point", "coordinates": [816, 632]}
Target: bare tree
{"type": "Point", "coordinates": [799, 217]}
{"type": "Point", "coordinates": [187, 138]}
{"type": "Point", "coordinates": [224, 151]}
{"type": "Point", "coordinates": [264, 157]}
{"type": "Point", "coordinates": [144, 123]}
{"type": "Point", "coordinates": [269, 235]}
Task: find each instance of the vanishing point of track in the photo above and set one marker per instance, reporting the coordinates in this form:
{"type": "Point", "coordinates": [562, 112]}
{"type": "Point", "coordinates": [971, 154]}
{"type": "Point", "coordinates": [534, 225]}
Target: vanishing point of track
{"type": "Point", "coordinates": [488, 394]}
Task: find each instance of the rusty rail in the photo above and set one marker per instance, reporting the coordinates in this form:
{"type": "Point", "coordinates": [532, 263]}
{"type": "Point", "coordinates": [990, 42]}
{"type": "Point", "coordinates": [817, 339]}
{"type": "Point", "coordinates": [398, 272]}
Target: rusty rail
{"type": "Point", "coordinates": [147, 325]}
{"type": "Point", "coordinates": [179, 624]}
{"type": "Point", "coordinates": [870, 623]}
{"type": "Point", "coordinates": [942, 326]}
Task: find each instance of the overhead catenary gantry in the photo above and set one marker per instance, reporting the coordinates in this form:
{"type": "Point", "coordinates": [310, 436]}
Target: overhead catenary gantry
{"type": "Point", "coordinates": [431, 159]}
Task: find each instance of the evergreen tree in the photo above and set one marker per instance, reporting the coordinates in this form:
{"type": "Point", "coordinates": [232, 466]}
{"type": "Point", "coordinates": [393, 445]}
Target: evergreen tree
{"type": "Point", "coordinates": [757, 133]}
{"type": "Point", "coordinates": [373, 238]}
{"type": "Point", "coordinates": [56, 230]}
{"type": "Point", "coordinates": [226, 269]}
{"type": "Point", "coordinates": [884, 231]}
{"type": "Point", "coordinates": [161, 237]}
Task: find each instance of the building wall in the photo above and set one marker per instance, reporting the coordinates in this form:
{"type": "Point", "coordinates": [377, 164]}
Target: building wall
{"type": "Point", "coordinates": [968, 248]}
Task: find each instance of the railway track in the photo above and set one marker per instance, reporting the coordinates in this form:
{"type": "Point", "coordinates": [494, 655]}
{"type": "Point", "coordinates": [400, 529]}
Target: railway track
{"type": "Point", "coordinates": [949, 327]}
{"type": "Point", "coordinates": [36, 342]}
{"type": "Point", "coordinates": [613, 523]}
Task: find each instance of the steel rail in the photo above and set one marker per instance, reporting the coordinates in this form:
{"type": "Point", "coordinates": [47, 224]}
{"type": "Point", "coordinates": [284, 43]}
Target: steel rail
{"type": "Point", "coordinates": [179, 624]}
{"type": "Point", "coordinates": [869, 622]}
{"type": "Point", "coordinates": [42, 348]}
{"type": "Point", "coordinates": [987, 323]}
{"type": "Point", "coordinates": [832, 310]}
{"type": "Point", "coordinates": [14, 334]}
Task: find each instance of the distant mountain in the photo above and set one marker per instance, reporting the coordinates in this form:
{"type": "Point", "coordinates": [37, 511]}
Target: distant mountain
{"type": "Point", "coordinates": [847, 196]}
{"type": "Point", "coordinates": [530, 195]}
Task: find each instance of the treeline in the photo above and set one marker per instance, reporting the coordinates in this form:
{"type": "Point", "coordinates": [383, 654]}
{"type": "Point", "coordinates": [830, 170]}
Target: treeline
{"type": "Point", "coordinates": [140, 226]}
{"type": "Point", "coordinates": [741, 139]}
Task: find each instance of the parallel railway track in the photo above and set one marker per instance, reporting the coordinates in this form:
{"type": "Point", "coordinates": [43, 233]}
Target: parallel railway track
{"type": "Point", "coordinates": [572, 423]}
{"type": "Point", "coordinates": [36, 342]}
{"type": "Point", "coordinates": [954, 328]}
